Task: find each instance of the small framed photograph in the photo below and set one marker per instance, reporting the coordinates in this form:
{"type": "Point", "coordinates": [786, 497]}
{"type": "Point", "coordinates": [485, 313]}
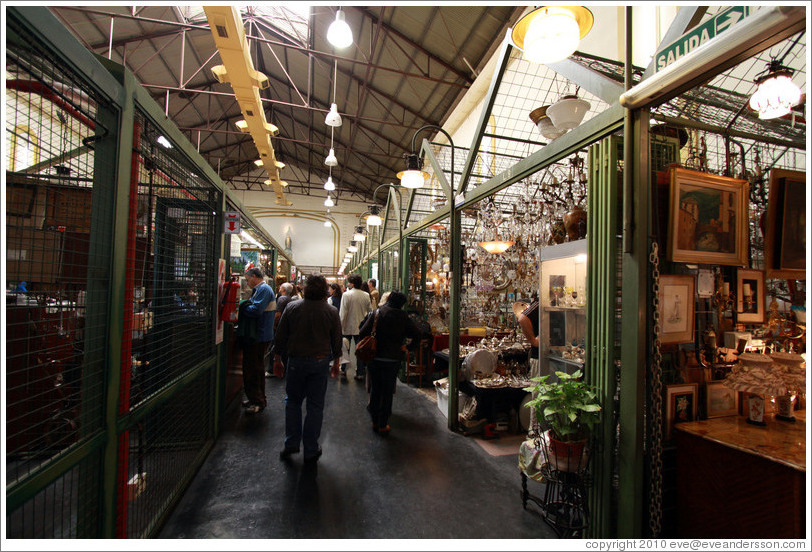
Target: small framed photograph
{"type": "Point", "coordinates": [750, 301]}
{"type": "Point", "coordinates": [677, 308]}
{"type": "Point", "coordinates": [720, 400]}
{"type": "Point", "coordinates": [680, 403]}
{"type": "Point", "coordinates": [707, 218]}
{"type": "Point", "coordinates": [785, 239]}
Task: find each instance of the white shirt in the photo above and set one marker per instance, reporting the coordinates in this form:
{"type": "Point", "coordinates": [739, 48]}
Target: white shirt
{"type": "Point", "coordinates": [355, 305]}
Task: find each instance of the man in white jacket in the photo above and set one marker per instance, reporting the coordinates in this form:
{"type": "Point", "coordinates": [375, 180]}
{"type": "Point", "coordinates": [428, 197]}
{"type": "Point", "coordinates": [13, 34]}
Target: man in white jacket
{"type": "Point", "coordinates": [355, 304]}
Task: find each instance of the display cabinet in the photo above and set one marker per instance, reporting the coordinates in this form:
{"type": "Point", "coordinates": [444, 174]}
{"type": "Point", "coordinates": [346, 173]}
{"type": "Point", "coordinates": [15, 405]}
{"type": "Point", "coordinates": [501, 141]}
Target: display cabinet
{"type": "Point", "coordinates": [562, 298]}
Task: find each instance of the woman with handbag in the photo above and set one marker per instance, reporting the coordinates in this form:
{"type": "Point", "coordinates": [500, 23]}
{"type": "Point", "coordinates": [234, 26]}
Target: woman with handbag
{"type": "Point", "coordinates": [390, 327]}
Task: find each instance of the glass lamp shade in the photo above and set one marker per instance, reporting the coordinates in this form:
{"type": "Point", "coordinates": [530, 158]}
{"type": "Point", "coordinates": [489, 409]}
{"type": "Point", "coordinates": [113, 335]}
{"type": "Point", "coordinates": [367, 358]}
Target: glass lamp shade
{"type": "Point", "coordinates": [328, 202]}
{"type": "Point", "coordinates": [359, 234]}
{"type": "Point", "coordinates": [374, 220]}
{"type": "Point", "coordinates": [568, 112]}
{"type": "Point", "coordinates": [329, 185]}
{"type": "Point", "coordinates": [333, 119]}
{"type": "Point", "coordinates": [339, 33]}
{"type": "Point", "coordinates": [352, 248]}
{"type": "Point", "coordinates": [412, 178]}
{"type": "Point", "coordinates": [496, 246]}
{"type": "Point", "coordinates": [545, 124]}
{"type": "Point", "coordinates": [331, 160]}
{"type": "Point", "coordinates": [775, 96]}
{"type": "Point", "coordinates": [552, 33]}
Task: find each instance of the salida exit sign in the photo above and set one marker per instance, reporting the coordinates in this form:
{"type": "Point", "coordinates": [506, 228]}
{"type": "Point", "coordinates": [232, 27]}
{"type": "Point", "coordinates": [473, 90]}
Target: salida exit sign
{"type": "Point", "coordinates": [699, 35]}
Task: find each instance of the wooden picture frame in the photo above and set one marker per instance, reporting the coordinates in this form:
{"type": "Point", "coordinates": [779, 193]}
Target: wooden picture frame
{"type": "Point", "coordinates": [707, 218]}
{"type": "Point", "coordinates": [785, 238]}
{"type": "Point", "coordinates": [751, 304]}
{"type": "Point", "coordinates": [720, 400]}
{"type": "Point", "coordinates": [680, 401]}
{"type": "Point", "coordinates": [677, 300]}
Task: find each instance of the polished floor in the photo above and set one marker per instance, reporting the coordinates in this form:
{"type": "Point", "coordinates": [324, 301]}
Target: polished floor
{"type": "Point", "coordinates": [422, 481]}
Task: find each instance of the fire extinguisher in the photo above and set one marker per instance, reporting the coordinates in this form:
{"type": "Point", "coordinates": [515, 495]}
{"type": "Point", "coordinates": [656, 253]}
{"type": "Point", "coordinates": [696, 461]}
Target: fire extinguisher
{"type": "Point", "coordinates": [228, 305]}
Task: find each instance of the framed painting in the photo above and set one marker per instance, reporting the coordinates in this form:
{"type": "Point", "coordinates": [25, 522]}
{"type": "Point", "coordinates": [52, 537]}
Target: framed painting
{"type": "Point", "coordinates": [750, 300]}
{"type": "Point", "coordinates": [785, 232]}
{"type": "Point", "coordinates": [676, 297]}
{"type": "Point", "coordinates": [680, 402]}
{"type": "Point", "coordinates": [720, 400]}
{"type": "Point", "coordinates": [707, 219]}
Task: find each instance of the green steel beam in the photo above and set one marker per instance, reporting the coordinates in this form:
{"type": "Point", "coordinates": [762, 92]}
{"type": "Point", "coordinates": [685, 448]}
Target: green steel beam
{"type": "Point", "coordinates": [438, 170]}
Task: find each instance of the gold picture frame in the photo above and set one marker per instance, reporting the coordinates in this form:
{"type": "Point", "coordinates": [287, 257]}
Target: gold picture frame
{"type": "Point", "coordinates": [785, 238]}
{"type": "Point", "coordinates": [677, 301]}
{"type": "Point", "coordinates": [720, 400]}
{"type": "Point", "coordinates": [680, 401]}
{"type": "Point", "coordinates": [751, 304]}
{"type": "Point", "coordinates": [707, 218]}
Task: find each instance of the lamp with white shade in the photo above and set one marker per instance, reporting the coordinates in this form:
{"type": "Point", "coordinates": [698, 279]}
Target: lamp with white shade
{"type": "Point", "coordinates": [339, 33]}
{"type": "Point", "coordinates": [552, 33]}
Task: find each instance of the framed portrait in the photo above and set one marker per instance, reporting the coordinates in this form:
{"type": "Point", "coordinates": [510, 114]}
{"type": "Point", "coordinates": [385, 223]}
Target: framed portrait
{"type": "Point", "coordinates": [720, 400]}
{"type": "Point", "coordinates": [707, 218]}
{"type": "Point", "coordinates": [680, 402]}
{"type": "Point", "coordinates": [785, 232]}
{"type": "Point", "coordinates": [750, 301]}
{"type": "Point", "coordinates": [677, 308]}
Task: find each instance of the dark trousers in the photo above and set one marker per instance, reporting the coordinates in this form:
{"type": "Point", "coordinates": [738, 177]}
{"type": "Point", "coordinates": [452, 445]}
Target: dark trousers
{"type": "Point", "coordinates": [253, 372]}
{"type": "Point", "coordinates": [306, 381]}
{"type": "Point", "coordinates": [360, 367]}
{"type": "Point", "coordinates": [382, 376]}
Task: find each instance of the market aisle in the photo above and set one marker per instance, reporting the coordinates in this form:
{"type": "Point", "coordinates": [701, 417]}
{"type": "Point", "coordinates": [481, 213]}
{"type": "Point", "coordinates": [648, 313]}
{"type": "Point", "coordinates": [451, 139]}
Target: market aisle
{"type": "Point", "coordinates": [421, 481]}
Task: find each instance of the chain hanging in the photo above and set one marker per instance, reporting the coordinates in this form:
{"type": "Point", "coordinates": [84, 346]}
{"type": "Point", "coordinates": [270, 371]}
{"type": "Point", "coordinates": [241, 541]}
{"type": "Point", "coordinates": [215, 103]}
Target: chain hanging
{"type": "Point", "coordinates": [656, 449]}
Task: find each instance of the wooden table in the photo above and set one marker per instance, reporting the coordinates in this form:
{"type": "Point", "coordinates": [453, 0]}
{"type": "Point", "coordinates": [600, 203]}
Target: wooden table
{"type": "Point", "coordinates": [737, 480]}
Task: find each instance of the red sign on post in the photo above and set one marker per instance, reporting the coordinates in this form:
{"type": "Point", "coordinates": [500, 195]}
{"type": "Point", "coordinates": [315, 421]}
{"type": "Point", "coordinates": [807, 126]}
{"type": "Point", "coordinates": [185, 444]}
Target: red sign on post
{"type": "Point", "coordinates": [232, 222]}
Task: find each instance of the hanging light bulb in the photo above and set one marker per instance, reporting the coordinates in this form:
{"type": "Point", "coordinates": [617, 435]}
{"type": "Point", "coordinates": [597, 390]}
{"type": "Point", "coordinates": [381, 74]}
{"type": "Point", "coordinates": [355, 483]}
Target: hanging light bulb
{"type": "Point", "coordinates": [339, 33]}
{"type": "Point", "coordinates": [413, 176]}
{"type": "Point", "coordinates": [359, 234]}
{"type": "Point", "coordinates": [329, 186]}
{"type": "Point", "coordinates": [328, 202]}
{"type": "Point", "coordinates": [333, 119]}
{"type": "Point", "coordinates": [327, 222]}
{"type": "Point", "coordinates": [776, 94]}
{"type": "Point", "coordinates": [552, 33]}
{"type": "Point", "coordinates": [331, 160]}
{"type": "Point", "coordinates": [374, 218]}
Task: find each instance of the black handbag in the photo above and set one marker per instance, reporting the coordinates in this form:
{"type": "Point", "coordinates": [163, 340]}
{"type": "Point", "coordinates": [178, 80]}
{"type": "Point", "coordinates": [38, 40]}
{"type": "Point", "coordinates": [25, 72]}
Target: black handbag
{"type": "Point", "coordinates": [367, 348]}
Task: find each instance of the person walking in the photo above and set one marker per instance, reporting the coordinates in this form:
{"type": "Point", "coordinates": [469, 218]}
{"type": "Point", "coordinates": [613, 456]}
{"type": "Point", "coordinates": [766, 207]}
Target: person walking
{"type": "Point", "coordinates": [309, 335]}
{"type": "Point", "coordinates": [355, 304]}
{"type": "Point", "coordinates": [335, 296]}
{"type": "Point", "coordinates": [392, 328]}
{"type": "Point", "coordinates": [256, 316]}
{"type": "Point", "coordinates": [374, 294]}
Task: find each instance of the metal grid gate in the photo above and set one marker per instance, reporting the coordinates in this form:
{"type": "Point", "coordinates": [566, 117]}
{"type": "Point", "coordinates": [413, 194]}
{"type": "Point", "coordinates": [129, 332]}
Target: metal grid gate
{"type": "Point", "coordinates": [56, 312]}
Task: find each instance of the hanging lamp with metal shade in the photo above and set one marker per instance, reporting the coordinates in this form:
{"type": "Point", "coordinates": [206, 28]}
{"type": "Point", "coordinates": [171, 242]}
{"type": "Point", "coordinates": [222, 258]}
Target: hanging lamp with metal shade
{"type": "Point", "coordinates": [552, 33]}
{"type": "Point", "coordinates": [413, 177]}
{"type": "Point", "coordinates": [339, 33]}
{"type": "Point", "coordinates": [333, 118]}
{"type": "Point", "coordinates": [374, 218]}
{"type": "Point", "coordinates": [331, 160]}
{"type": "Point", "coordinates": [329, 185]}
{"type": "Point", "coordinates": [776, 94]}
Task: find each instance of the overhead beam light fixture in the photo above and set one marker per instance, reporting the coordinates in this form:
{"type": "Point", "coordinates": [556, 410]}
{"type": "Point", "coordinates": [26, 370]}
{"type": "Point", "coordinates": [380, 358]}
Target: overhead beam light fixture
{"type": "Point", "coordinates": [776, 94]}
{"type": "Point", "coordinates": [552, 33]}
{"type": "Point", "coordinates": [339, 33]}
{"type": "Point", "coordinates": [333, 118]}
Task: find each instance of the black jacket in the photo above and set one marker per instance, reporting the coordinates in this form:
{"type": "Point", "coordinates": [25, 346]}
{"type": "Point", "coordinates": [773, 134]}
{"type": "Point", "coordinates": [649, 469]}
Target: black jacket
{"type": "Point", "coordinates": [309, 328]}
{"type": "Point", "coordinates": [394, 326]}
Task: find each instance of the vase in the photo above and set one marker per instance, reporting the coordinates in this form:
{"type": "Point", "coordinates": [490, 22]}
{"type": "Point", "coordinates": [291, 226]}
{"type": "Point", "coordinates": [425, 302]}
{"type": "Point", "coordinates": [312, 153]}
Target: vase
{"type": "Point", "coordinates": [558, 231]}
{"type": "Point", "coordinates": [575, 223]}
{"type": "Point", "coordinates": [567, 456]}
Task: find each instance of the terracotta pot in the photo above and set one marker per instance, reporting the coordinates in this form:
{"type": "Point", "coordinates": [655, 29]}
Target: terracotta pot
{"type": "Point", "coordinates": [575, 223]}
{"type": "Point", "coordinates": [558, 232]}
{"type": "Point", "coordinates": [568, 456]}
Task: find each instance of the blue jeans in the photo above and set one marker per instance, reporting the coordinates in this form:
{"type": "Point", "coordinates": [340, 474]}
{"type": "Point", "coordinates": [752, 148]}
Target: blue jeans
{"type": "Point", "coordinates": [306, 379]}
{"type": "Point", "coordinates": [382, 376]}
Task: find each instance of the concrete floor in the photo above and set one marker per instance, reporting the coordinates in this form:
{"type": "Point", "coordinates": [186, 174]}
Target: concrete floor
{"type": "Point", "coordinates": [420, 482]}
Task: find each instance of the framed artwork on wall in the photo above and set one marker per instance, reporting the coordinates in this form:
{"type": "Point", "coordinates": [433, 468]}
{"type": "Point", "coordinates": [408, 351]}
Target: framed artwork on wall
{"type": "Point", "coordinates": [680, 402]}
{"type": "Point", "coordinates": [720, 400]}
{"type": "Point", "coordinates": [785, 231]}
{"type": "Point", "coordinates": [677, 308]}
{"type": "Point", "coordinates": [707, 218]}
{"type": "Point", "coordinates": [750, 300]}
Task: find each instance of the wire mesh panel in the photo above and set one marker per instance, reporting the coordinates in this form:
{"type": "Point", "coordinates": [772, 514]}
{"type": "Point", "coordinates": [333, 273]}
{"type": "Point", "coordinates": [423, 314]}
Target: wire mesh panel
{"type": "Point", "coordinates": [163, 450]}
{"type": "Point", "coordinates": [54, 364]}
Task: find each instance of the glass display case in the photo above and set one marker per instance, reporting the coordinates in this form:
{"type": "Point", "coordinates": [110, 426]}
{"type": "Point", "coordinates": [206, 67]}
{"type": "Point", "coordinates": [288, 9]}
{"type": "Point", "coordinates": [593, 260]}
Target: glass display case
{"type": "Point", "coordinates": [562, 297]}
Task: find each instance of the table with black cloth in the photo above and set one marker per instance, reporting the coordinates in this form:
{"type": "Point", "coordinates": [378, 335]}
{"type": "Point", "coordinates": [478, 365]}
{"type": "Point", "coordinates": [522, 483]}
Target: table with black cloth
{"type": "Point", "coordinates": [491, 402]}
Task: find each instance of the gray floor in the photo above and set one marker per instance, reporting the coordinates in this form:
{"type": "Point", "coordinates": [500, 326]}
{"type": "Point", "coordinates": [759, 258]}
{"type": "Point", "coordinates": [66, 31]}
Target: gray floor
{"type": "Point", "coordinates": [421, 481]}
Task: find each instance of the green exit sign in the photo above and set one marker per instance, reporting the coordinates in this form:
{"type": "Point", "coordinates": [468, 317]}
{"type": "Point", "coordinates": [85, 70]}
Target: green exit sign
{"type": "Point", "coordinates": [699, 35]}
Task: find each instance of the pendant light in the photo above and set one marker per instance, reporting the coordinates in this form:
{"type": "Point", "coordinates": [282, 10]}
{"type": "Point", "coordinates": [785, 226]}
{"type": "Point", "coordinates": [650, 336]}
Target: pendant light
{"type": "Point", "coordinates": [374, 218]}
{"type": "Point", "coordinates": [776, 94]}
{"type": "Point", "coordinates": [331, 160]}
{"type": "Point", "coordinates": [359, 234]}
{"type": "Point", "coordinates": [339, 33]}
{"type": "Point", "coordinates": [352, 248]}
{"type": "Point", "coordinates": [568, 112]}
{"type": "Point", "coordinates": [413, 177]}
{"type": "Point", "coordinates": [552, 33]}
{"type": "Point", "coordinates": [329, 201]}
{"type": "Point", "coordinates": [329, 185]}
{"type": "Point", "coordinates": [333, 118]}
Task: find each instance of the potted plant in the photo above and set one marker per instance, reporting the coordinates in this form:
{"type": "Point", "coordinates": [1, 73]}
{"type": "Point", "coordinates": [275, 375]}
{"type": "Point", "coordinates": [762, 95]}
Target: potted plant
{"type": "Point", "coordinates": [567, 410]}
